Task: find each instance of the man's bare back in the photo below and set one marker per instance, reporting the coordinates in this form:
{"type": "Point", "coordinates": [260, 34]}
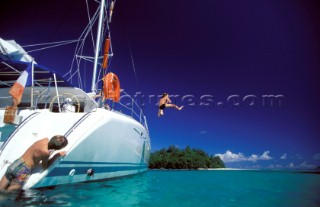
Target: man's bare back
{"type": "Point", "coordinates": [37, 152]}
{"type": "Point", "coordinates": [164, 100]}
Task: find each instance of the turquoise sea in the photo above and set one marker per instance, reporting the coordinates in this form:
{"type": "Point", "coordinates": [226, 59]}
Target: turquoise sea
{"type": "Point", "coordinates": [182, 188]}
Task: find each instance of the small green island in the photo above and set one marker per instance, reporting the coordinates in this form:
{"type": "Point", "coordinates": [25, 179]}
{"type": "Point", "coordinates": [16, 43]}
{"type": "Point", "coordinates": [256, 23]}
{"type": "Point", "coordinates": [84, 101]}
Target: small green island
{"type": "Point", "coordinates": [188, 158]}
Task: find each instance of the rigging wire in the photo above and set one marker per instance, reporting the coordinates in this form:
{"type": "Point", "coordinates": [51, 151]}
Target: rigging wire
{"type": "Point", "coordinates": [59, 24]}
{"type": "Point", "coordinates": [79, 60]}
{"type": "Point", "coordinates": [88, 13]}
{"type": "Point", "coordinates": [132, 62]}
{"type": "Point", "coordinates": [79, 49]}
{"type": "Point", "coordinates": [57, 45]}
{"type": "Point", "coordinates": [74, 73]}
{"type": "Point", "coordinates": [51, 43]}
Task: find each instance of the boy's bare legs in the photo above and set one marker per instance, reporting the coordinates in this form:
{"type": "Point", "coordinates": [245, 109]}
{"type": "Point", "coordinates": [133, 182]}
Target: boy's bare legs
{"type": "Point", "coordinates": [160, 112]}
{"type": "Point", "coordinates": [174, 106]}
{"type": "Point", "coordinates": [6, 186]}
{"type": "Point", "coordinates": [14, 186]}
{"type": "Point", "coordinates": [4, 183]}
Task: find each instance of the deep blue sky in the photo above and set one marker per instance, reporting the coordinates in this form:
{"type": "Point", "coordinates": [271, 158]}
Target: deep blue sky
{"type": "Point", "coordinates": [216, 49]}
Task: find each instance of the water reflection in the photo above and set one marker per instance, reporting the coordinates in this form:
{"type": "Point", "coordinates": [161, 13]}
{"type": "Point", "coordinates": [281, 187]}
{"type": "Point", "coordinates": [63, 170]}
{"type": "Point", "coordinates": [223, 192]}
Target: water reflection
{"type": "Point", "coordinates": [34, 197]}
{"type": "Point", "coordinates": [127, 191]}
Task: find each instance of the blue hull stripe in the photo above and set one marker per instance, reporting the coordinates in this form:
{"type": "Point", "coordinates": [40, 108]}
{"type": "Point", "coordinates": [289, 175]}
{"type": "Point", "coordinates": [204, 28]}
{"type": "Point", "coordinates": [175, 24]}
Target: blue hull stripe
{"type": "Point", "coordinates": [64, 171]}
{"type": "Point", "coordinates": [104, 163]}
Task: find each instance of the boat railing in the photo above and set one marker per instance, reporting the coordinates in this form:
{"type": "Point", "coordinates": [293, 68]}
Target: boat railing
{"type": "Point", "coordinates": [134, 110]}
{"type": "Point", "coordinates": [45, 98]}
{"type": "Point", "coordinates": [4, 100]}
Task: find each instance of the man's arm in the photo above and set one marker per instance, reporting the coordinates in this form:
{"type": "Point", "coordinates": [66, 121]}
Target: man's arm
{"type": "Point", "coordinates": [46, 162]}
{"type": "Point", "coordinates": [59, 154]}
{"type": "Point", "coordinates": [168, 99]}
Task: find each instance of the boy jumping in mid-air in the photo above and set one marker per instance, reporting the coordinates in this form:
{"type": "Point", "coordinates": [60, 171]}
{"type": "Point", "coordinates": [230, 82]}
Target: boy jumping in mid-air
{"type": "Point", "coordinates": [166, 102]}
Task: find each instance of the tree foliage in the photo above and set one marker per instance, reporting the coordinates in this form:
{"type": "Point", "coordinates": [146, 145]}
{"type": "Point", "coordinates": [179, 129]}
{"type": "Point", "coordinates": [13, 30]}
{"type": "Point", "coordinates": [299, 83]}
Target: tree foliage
{"type": "Point", "coordinates": [174, 158]}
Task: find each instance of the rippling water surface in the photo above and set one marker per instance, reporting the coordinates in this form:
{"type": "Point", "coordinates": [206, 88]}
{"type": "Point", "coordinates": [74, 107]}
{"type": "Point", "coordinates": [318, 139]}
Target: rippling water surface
{"type": "Point", "coordinates": [182, 188]}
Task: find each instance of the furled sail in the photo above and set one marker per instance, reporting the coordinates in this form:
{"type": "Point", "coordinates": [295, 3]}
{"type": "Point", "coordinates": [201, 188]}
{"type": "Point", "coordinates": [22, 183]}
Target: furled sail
{"type": "Point", "coordinates": [10, 50]}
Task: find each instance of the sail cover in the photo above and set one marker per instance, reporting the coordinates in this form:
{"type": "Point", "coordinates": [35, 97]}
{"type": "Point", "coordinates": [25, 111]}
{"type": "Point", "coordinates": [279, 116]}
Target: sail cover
{"type": "Point", "coordinates": [14, 60]}
{"type": "Point", "coordinates": [10, 50]}
{"type": "Point", "coordinates": [43, 76]}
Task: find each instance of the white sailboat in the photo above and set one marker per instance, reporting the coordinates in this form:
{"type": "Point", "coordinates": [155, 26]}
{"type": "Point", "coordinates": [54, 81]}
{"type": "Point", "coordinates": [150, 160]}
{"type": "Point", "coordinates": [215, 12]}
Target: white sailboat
{"type": "Point", "coordinates": [103, 142]}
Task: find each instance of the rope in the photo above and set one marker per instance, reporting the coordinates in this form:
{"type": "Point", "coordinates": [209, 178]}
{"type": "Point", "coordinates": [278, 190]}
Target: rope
{"type": "Point", "coordinates": [6, 162]}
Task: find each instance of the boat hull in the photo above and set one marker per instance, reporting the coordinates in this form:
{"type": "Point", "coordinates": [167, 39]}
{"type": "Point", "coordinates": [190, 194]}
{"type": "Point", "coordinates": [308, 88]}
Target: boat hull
{"type": "Point", "coordinates": [102, 144]}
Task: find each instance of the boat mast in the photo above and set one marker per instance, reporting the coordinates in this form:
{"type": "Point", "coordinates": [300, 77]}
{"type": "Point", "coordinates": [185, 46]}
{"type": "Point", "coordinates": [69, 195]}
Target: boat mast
{"type": "Point", "coordinates": [96, 57]}
{"type": "Point", "coordinates": [32, 84]}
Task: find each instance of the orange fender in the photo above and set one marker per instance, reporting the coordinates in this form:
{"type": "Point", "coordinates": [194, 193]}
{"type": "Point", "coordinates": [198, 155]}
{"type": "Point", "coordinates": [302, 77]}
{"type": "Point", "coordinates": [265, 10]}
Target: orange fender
{"type": "Point", "coordinates": [111, 87]}
{"type": "Point", "coordinates": [106, 53]}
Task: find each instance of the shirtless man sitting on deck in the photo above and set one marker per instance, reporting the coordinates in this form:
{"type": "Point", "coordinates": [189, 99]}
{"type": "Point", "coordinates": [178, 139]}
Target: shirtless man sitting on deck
{"type": "Point", "coordinates": [166, 102]}
{"type": "Point", "coordinates": [19, 171]}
